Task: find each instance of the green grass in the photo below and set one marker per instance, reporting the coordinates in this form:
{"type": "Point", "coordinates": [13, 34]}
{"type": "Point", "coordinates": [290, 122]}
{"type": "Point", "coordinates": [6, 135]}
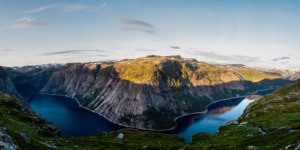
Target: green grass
{"type": "Point", "coordinates": [16, 121]}
{"type": "Point", "coordinates": [133, 139]}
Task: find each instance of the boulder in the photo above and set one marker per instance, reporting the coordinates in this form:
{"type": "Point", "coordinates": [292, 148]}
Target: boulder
{"type": "Point", "coordinates": [244, 123]}
{"type": "Point", "coordinates": [25, 137]}
{"type": "Point", "coordinates": [6, 142]}
{"type": "Point", "coordinates": [251, 147]}
{"type": "Point", "coordinates": [233, 122]}
{"type": "Point", "coordinates": [120, 136]}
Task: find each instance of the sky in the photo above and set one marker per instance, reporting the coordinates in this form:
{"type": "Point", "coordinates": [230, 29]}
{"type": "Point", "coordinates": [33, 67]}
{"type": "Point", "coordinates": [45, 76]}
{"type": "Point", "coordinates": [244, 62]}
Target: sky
{"type": "Point", "coordinates": [257, 33]}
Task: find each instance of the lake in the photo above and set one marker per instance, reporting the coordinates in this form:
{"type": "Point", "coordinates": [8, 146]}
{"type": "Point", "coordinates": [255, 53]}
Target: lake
{"type": "Point", "coordinates": [66, 114]}
{"type": "Point", "coordinates": [218, 114]}
{"type": "Point", "coordinates": [73, 120]}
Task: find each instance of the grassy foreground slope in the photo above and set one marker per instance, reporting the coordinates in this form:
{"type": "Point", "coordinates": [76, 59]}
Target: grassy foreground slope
{"type": "Point", "coordinates": [21, 127]}
{"type": "Point", "coordinates": [272, 122]}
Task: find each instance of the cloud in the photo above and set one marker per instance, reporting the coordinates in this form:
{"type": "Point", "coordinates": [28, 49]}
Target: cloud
{"type": "Point", "coordinates": [74, 7]}
{"type": "Point", "coordinates": [85, 8]}
{"type": "Point", "coordinates": [135, 25]}
{"type": "Point", "coordinates": [28, 22]}
{"type": "Point", "coordinates": [227, 58]}
{"type": "Point", "coordinates": [102, 55]}
{"type": "Point", "coordinates": [30, 25]}
{"type": "Point", "coordinates": [139, 29]}
{"type": "Point", "coordinates": [246, 58]}
{"type": "Point", "coordinates": [145, 50]}
{"type": "Point", "coordinates": [40, 9]}
{"type": "Point", "coordinates": [134, 22]}
{"type": "Point", "coordinates": [281, 58]}
{"type": "Point", "coordinates": [6, 50]}
{"type": "Point", "coordinates": [68, 8]}
{"type": "Point", "coordinates": [175, 47]}
{"type": "Point", "coordinates": [72, 52]}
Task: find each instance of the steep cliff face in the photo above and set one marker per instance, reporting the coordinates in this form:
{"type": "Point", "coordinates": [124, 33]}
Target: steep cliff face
{"type": "Point", "coordinates": [29, 80]}
{"type": "Point", "coordinates": [6, 84]}
{"type": "Point", "coordinates": [150, 92]}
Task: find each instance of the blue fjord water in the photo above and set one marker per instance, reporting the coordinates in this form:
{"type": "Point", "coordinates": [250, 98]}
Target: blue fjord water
{"type": "Point", "coordinates": [218, 114]}
{"type": "Point", "coordinates": [73, 120]}
{"type": "Point", "coordinates": [66, 114]}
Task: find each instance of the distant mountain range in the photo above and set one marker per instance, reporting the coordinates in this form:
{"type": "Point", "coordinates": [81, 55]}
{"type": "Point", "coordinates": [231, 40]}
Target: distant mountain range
{"type": "Point", "coordinates": [144, 93]}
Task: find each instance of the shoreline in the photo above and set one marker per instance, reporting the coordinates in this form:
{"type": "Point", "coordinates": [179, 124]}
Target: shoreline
{"type": "Point", "coordinates": [155, 130]}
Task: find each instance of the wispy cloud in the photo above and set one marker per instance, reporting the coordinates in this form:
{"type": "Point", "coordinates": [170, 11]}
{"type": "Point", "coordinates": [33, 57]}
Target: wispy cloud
{"type": "Point", "coordinates": [72, 52]}
{"type": "Point", "coordinates": [135, 25]}
{"type": "Point", "coordinates": [7, 50]}
{"type": "Point", "coordinates": [67, 8]}
{"type": "Point", "coordinates": [227, 58]}
{"type": "Point", "coordinates": [102, 55]}
{"type": "Point", "coordinates": [28, 22]}
{"type": "Point", "coordinates": [41, 9]}
{"type": "Point", "coordinates": [134, 22]}
{"type": "Point", "coordinates": [246, 58]}
{"type": "Point", "coordinates": [145, 50]}
{"type": "Point", "coordinates": [74, 7]}
{"type": "Point", "coordinates": [139, 29]}
{"type": "Point", "coordinates": [175, 47]}
{"type": "Point", "coordinates": [281, 58]}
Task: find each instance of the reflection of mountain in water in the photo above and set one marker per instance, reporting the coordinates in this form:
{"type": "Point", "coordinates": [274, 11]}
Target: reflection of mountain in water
{"type": "Point", "coordinates": [254, 97]}
{"type": "Point", "coordinates": [216, 118]}
{"type": "Point", "coordinates": [220, 107]}
{"type": "Point", "coordinates": [223, 106]}
{"type": "Point", "coordinates": [218, 114]}
{"type": "Point", "coordinates": [221, 110]}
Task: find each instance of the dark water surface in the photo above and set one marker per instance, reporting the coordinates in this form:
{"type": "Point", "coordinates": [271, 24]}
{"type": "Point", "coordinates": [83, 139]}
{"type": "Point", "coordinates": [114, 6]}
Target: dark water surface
{"type": "Point", "coordinates": [66, 114]}
{"type": "Point", "coordinates": [73, 120]}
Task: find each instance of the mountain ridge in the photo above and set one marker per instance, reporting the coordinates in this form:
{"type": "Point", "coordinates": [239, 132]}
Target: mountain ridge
{"type": "Point", "coordinates": [145, 93]}
{"type": "Point", "coordinates": [149, 92]}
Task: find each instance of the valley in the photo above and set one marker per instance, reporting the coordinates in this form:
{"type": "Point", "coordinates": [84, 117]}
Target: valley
{"type": "Point", "coordinates": [147, 93]}
{"type": "Point", "coordinates": [271, 122]}
{"type": "Point", "coordinates": [144, 93]}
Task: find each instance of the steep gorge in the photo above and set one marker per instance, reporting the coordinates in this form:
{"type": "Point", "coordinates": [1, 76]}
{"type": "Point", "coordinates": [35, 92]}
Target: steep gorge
{"type": "Point", "coordinates": [150, 92]}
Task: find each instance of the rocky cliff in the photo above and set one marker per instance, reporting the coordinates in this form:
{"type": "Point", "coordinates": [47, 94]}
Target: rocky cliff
{"type": "Point", "coordinates": [29, 80]}
{"type": "Point", "coordinates": [150, 92]}
{"type": "Point", "coordinates": [6, 85]}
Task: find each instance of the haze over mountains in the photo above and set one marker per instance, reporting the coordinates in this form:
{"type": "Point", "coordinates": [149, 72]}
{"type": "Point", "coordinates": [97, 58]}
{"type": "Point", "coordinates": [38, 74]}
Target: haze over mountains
{"type": "Point", "coordinates": [146, 93]}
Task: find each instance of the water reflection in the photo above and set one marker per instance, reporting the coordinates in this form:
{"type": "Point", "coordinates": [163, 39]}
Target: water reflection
{"type": "Point", "coordinates": [218, 114]}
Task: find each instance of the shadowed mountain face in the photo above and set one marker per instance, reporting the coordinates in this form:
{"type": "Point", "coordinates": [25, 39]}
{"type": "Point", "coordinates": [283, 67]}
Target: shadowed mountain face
{"type": "Point", "coordinates": [29, 80]}
{"type": "Point", "coordinates": [6, 85]}
{"type": "Point", "coordinates": [146, 93]}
